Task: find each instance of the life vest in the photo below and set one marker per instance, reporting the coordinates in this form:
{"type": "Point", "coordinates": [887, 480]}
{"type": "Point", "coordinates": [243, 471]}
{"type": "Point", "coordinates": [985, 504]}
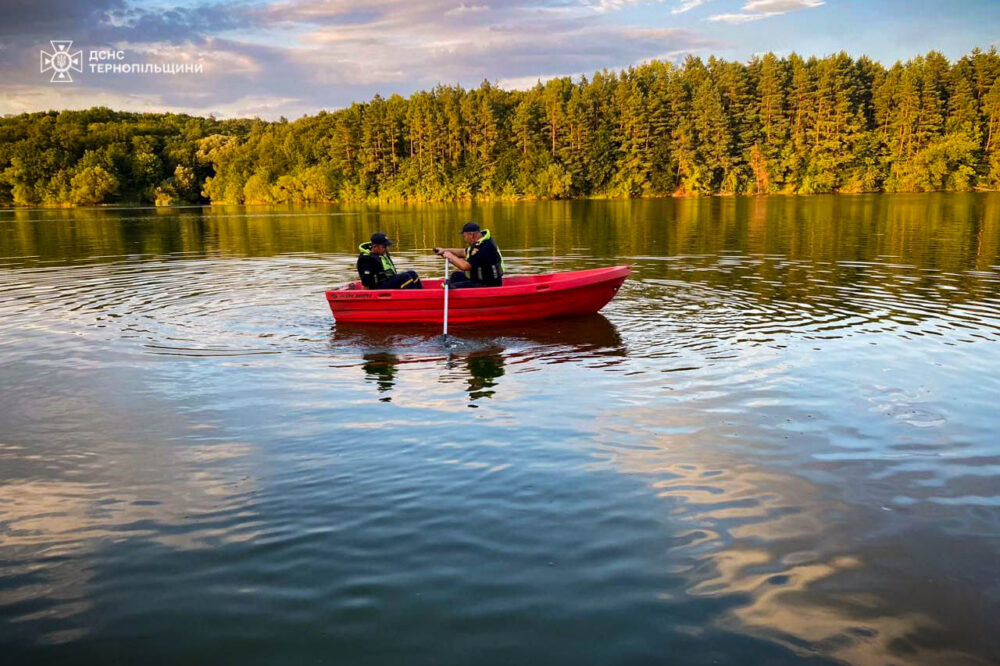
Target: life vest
{"type": "Point", "coordinates": [485, 273]}
{"type": "Point", "coordinates": [387, 268]}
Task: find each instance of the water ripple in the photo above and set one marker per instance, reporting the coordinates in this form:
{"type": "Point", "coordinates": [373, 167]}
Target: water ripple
{"type": "Point", "coordinates": [776, 445]}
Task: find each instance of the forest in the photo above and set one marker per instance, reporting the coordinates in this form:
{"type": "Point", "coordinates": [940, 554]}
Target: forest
{"type": "Point", "coordinates": [788, 124]}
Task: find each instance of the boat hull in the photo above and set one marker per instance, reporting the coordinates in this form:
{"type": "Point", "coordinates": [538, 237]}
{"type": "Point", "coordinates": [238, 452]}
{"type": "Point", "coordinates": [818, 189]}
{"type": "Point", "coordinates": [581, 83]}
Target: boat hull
{"type": "Point", "coordinates": [521, 298]}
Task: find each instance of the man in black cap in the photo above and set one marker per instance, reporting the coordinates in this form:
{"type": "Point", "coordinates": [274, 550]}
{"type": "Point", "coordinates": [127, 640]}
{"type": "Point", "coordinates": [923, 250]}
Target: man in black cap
{"type": "Point", "coordinates": [377, 270]}
{"type": "Point", "coordinates": [482, 264]}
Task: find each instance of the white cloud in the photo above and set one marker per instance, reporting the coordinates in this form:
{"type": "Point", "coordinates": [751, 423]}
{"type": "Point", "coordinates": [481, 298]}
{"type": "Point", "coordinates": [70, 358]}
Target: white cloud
{"type": "Point", "coordinates": [528, 82]}
{"type": "Point", "coordinates": [755, 10]}
{"type": "Point", "coordinates": [25, 99]}
{"type": "Point", "coordinates": [466, 9]}
{"type": "Point", "coordinates": [765, 6]}
{"type": "Point", "coordinates": [687, 6]}
{"type": "Point", "coordinates": [512, 43]}
{"type": "Point", "coordinates": [299, 56]}
{"type": "Point", "coordinates": [741, 18]}
{"type": "Point", "coordinates": [612, 5]}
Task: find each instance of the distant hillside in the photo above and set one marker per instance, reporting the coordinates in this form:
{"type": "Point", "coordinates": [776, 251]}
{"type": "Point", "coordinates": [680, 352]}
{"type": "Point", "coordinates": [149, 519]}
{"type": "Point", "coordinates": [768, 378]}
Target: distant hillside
{"type": "Point", "coordinates": [774, 124]}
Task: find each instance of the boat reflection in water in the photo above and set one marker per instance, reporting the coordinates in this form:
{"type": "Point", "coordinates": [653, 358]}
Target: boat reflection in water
{"type": "Point", "coordinates": [478, 356]}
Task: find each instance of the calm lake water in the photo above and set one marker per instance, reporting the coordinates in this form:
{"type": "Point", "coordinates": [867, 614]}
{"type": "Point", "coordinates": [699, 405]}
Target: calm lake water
{"type": "Point", "coordinates": [777, 445]}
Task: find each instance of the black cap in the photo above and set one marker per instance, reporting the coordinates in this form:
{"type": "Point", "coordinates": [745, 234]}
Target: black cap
{"type": "Point", "coordinates": [470, 226]}
{"type": "Point", "coordinates": [380, 238]}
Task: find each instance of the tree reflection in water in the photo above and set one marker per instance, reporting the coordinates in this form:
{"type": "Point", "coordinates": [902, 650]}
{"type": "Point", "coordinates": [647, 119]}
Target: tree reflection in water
{"type": "Point", "coordinates": [484, 369]}
{"type": "Point", "coordinates": [380, 367]}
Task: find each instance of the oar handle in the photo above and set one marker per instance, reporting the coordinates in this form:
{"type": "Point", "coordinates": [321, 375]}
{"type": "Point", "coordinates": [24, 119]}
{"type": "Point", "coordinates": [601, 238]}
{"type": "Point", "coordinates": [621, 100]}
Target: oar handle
{"type": "Point", "coordinates": [444, 285]}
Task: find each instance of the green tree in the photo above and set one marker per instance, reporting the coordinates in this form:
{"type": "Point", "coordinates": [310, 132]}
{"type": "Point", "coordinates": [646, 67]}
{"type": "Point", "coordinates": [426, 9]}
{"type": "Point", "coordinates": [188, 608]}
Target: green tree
{"type": "Point", "coordinates": [774, 124]}
{"type": "Point", "coordinates": [93, 185]}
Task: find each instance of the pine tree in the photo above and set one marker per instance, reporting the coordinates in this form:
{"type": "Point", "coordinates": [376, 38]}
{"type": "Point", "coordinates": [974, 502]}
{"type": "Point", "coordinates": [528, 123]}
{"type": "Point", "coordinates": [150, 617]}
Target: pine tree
{"type": "Point", "coordinates": [773, 124]}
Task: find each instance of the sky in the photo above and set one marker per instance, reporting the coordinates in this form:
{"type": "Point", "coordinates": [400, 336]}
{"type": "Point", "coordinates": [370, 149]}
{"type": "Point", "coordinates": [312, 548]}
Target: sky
{"type": "Point", "coordinates": [297, 57]}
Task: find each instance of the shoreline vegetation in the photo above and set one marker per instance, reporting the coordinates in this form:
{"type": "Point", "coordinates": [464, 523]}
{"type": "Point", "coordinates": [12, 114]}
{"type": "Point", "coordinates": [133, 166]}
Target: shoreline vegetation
{"type": "Point", "coordinates": [773, 125]}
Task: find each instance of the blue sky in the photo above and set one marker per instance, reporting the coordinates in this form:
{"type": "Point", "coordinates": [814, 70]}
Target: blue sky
{"type": "Point", "coordinates": [297, 57]}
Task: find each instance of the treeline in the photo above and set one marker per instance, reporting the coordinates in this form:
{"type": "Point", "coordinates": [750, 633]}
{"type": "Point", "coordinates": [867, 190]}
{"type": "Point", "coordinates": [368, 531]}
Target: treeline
{"type": "Point", "coordinates": [102, 156]}
{"type": "Point", "coordinates": [788, 124]}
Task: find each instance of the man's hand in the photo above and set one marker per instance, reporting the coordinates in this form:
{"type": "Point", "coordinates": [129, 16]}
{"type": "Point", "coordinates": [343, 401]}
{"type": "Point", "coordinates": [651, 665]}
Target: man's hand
{"type": "Point", "coordinates": [438, 251]}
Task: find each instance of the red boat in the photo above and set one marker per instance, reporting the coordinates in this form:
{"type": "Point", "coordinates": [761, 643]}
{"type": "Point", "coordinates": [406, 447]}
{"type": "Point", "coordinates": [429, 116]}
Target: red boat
{"type": "Point", "coordinates": [521, 298]}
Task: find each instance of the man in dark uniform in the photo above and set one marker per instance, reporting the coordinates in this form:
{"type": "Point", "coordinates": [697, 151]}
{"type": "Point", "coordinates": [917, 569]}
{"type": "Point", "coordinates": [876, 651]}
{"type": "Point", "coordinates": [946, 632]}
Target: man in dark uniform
{"type": "Point", "coordinates": [377, 270]}
{"type": "Point", "coordinates": [480, 263]}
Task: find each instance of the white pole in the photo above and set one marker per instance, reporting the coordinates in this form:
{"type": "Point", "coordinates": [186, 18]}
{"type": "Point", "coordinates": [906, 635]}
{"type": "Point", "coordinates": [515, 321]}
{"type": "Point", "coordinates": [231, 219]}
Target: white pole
{"type": "Point", "coordinates": [445, 283]}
